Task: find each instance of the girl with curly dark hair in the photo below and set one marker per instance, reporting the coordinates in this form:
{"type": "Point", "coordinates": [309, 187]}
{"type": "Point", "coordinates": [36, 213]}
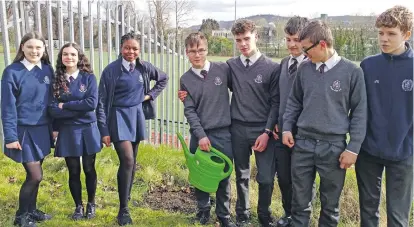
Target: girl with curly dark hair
{"type": "Point", "coordinates": [74, 99]}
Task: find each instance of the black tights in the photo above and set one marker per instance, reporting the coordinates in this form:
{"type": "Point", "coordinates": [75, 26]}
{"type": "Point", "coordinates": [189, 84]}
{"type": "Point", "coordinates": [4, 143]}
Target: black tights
{"type": "Point", "coordinates": [75, 185]}
{"type": "Point", "coordinates": [30, 187]}
{"type": "Point", "coordinates": [127, 153]}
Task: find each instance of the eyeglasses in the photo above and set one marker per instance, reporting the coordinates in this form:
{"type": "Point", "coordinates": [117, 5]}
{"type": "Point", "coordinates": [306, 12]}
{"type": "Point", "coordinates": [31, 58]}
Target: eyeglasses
{"type": "Point", "coordinates": [309, 48]}
{"type": "Point", "coordinates": [194, 52]}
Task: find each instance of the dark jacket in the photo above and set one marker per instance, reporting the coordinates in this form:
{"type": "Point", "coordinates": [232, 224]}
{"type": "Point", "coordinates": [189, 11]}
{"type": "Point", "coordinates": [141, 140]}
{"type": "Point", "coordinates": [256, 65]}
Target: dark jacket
{"type": "Point", "coordinates": [107, 88]}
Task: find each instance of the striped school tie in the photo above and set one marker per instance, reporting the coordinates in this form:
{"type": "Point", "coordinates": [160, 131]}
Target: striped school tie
{"type": "Point", "coordinates": [204, 73]}
{"type": "Point", "coordinates": [293, 67]}
{"type": "Point", "coordinates": [247, 63]}
{"type": "Point", "coordinates": [322, 68]}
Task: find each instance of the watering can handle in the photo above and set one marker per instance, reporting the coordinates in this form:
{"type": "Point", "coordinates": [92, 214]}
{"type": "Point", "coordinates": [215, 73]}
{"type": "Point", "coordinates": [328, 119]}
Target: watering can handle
{"type": "Point", "coordinates": [226, 159]}
{"type": "Point", "coordinates": [212, 149]}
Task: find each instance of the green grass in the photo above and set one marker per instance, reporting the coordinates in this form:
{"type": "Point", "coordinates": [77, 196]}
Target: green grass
{"type": "Point", "coordinates": [157, 165]}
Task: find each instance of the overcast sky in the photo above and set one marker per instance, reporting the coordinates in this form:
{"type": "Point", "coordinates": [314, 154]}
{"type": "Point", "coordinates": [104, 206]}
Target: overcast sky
{"type": "Point", "coordinates": [224, 9]}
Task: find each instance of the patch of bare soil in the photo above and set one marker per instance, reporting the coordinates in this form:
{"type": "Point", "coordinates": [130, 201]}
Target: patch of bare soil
{"type": "Point", "coordinates": [172, 199]}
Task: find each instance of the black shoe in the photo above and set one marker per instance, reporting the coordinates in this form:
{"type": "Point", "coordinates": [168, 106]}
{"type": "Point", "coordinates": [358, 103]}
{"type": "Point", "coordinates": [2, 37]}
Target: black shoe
{"type": "Point", "coordinates": [284, 222]}
{"type": "Point", "coordinates": [39, 216]}
{"type": "Point", "coordinates": [78, 213]}
{"type": "Point", "coordinates": [203, 216]}
{"type": "Point", "coordinates": [226, 222]}
{"type": "Point", "coordinates": [267, 221]}
{"type": "Point", "coordinates": [24, 220]}
{"type": "Point", "coordinates": [124, 218]}
{"type": "Point", "coordinates": [90, 211]}
{"type": "Point", "coordinates": [243, 221]}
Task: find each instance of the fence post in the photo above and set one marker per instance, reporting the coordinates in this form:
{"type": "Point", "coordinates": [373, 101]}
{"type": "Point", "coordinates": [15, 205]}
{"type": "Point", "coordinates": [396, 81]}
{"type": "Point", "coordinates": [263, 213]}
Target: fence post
{"type": "Point", "coordinates": [5, 33]}
{"type": "Point", "coordinates": [60, 24]}
{"type": "Point", "coordinates": [91, 48]}
{"type": "Point", "coordinates": [80, 19]}
{"type": "Point", "coordinates": [37, 17]}
{"type": "Point", "coordinates": [16, 24]}
{"type": "Point", "coordinates": [100, 47]}
{"type": "Point", "coordinates": [108, 31]}
{"type": "Point", "coordinates": [50, 31]}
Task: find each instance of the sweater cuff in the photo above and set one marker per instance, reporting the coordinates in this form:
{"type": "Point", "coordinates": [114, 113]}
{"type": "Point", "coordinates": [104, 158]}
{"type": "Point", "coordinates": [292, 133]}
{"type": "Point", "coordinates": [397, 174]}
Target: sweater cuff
{"type": "Point", "coordinates": [200, 134]}
{"type": "Point", "coordinates": [271, 124]}
{"type": "Point", "coordinates": [287, 127]}
{"type": "Point", "coordinates": [10, 140]}
{"type": "Point", "coordinates": [65, 105]}
{"type": "Point", "coordinates": [353, 147]}
{"type": "Point", "coordinates": [104, 131]}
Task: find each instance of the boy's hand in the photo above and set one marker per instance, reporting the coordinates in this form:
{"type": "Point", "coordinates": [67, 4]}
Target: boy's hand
{"type": "Point", "coordinates": [275, 133]}
{"type": "Point", "coordinates": [204, 144]}
{"type": "Point", "coordinates": [261, 143]}
{"type": "Point", "coordinates": [182, 95]}
{"type": "Point", "coordinates": [288, 139]}
{"type": "Point", "coordinates": [347, 159]}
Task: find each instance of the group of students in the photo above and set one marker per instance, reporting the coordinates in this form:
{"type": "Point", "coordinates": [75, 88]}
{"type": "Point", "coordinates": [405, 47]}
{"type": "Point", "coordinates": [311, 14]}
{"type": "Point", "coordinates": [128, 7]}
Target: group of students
{"type": "Point", "coordinates": [65, 109]}
{"type": "Point", "coordinates": [295, 117]}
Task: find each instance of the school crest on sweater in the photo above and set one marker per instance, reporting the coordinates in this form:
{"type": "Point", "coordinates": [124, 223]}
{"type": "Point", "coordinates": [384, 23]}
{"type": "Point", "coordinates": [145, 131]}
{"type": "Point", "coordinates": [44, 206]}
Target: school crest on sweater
{"type": "Point", "coordinates": [82, 88]}
{"type": "Point", "coordinates": [259, 79]}
{"type": "Point", "coordinates": [217, 81]}
{"type": "Point", "coordinates": [336, 86]}
{"type": "Point", "coordinates": [46, 80]}
{"type": "Point", "coordinates": [407, 85]}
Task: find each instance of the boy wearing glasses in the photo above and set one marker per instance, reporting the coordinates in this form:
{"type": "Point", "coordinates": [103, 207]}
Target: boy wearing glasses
{"type": "Point", "coordinates": [389, 140]}
{"type": "Point", "coordinates": [327, 101]}
{"type": "Point", "coordinates": [207, 110]}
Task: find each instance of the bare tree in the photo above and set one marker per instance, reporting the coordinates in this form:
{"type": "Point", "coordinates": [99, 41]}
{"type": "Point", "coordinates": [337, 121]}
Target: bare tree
{"type": "Point", "coordinates": [182, 11]}
{"type": "Point", "coordinates": [160, 13]}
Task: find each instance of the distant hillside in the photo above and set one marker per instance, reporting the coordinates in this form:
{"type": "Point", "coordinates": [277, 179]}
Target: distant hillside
{"type": "Point", "coordinates": [267, 18]}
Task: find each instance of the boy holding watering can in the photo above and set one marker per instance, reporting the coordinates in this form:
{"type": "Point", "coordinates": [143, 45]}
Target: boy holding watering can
{"type": "Point", "coordinates": [207, 110]}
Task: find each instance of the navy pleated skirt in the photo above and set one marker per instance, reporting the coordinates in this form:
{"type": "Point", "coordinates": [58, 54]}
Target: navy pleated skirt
{"type": "Point", "coordinates": [127, 124]}
{"type": "Point", "coordinates": [78, 140]}
{"type": "Point", "coordinates": [35, 142]}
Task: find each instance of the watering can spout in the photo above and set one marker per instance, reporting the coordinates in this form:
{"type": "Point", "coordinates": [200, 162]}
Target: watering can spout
{"type": "Point", "coordinates": [186, 150]}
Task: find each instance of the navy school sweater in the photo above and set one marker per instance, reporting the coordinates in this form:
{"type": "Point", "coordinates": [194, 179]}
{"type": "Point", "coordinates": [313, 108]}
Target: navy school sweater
{"type": "Point", "coordinates": [389, 83]}
{"type": "Point", "coordinates": [129, 89]}
{"type": "Point", "coordinates": [107, 88]}
{"type": "Point", "coordinates": [79, 103]}
{"type": "Point", "coordinates": [24, 97]}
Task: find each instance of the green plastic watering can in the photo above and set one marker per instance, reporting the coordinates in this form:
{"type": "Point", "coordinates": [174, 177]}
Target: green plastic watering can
{"type": "Point", "coordinates": [206, 168]}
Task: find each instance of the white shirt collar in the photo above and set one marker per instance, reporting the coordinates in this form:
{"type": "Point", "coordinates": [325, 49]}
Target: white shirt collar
{"type": "Point", "coordinates": [252, 58]}
{"type": "Point", "coordinates": [299, 58]}
{"type": "Point", "coordinates": [29, 66]}
{"type": "Point", "coordinates": [198, 71]}
{"type": "Point", "coordinates": [330, 63]}
{"type": "Point", "coordinates": [74, 75]}
{"type": "Point", "coordinates": [126, 63]}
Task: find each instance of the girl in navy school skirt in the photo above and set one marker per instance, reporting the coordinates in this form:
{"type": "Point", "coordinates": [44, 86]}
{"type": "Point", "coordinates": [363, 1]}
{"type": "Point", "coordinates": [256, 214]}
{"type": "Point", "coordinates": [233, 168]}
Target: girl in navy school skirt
{"type": "Point", "coordinates": [25, 88]}
{"type": "Point", "coordinates": [74, 99]}
{"type": "Point", "coordinates": [121, 119]}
